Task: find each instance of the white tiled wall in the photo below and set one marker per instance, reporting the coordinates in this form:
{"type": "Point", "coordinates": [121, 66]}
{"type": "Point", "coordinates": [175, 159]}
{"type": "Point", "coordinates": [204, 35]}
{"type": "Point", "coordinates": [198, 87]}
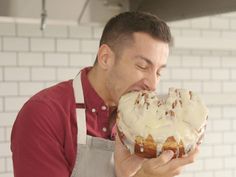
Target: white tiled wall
{"type": "Point", "coordinates": [203, 59]}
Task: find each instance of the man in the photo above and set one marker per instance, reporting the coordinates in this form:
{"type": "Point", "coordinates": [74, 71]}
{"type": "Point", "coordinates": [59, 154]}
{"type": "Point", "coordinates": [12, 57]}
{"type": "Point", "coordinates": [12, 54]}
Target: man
{"type": "Point", "coordinates": [72, 115]}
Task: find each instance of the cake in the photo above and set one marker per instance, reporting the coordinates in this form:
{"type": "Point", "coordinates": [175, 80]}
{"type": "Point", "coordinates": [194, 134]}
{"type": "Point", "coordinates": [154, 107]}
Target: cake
{"type": "Point", "coordinates": [148, 124]}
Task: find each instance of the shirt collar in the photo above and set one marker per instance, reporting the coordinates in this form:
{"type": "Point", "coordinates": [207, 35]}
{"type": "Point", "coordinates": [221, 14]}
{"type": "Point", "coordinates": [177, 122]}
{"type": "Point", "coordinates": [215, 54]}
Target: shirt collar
{"type": "Point", "coordinates": [91, 98]}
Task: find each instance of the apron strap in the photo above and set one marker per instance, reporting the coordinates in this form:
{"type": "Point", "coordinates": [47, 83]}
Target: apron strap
{"type": "Point", "coordinates": [80, 109]}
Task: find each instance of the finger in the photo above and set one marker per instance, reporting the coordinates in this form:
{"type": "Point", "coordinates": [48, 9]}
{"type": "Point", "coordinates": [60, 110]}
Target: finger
{"type": "Point", "coordinates": [152, 167]}
{"type": "Point", "coordinates": [180, 162]}
{"type": "Point", "coordinates": [164, 158]}
{"type": "Point", "coordinates": [121, 152]}
{"type": "Point", "coordinates": [177, 171]}
{"type": "Point", "coordinates": [133, 163]}
{"type": "Point", "coordinates": [191, 156]}
{"type": "Point", "coordinates": [123, 155]}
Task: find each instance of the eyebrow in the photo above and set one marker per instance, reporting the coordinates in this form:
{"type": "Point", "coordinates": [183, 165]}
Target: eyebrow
{"type": "Point", "coordinates": [148, 61]}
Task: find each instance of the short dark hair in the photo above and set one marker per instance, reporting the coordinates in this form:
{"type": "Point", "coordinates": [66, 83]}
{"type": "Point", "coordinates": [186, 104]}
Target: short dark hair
{"type": "Point", "coordinates": [121, 27]}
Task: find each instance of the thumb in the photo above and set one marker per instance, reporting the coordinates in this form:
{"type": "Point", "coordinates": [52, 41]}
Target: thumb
{"type": "Point", "coordinates": [164, 158]}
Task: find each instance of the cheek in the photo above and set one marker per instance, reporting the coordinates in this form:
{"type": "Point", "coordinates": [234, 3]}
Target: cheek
{"type": "Point", "coordinates": [132, 76]}
{"type": "Point", "coordinates": [133, 79]}
{"type": "Point", "coordinates": [122, 78]}
{"type": "Point", "coordinates": [119, 81]}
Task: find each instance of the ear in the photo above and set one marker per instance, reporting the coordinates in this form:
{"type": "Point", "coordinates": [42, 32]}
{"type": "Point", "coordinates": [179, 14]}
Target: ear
{"type": "Point", "coordinates": [105, 56]}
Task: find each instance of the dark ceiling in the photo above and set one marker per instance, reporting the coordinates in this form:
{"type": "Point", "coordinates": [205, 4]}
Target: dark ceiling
{"type": "Point", "coordinates": [171, 10]}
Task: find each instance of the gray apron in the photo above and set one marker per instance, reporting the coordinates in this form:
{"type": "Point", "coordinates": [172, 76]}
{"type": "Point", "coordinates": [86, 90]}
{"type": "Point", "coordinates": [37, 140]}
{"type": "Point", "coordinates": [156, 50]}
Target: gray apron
{"type": "Point", "coordinates": [95, 157]}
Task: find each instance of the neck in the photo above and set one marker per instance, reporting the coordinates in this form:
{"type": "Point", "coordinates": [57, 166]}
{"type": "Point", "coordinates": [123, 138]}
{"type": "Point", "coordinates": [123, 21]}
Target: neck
{"type": "Point", "coordinates": [97, 79]}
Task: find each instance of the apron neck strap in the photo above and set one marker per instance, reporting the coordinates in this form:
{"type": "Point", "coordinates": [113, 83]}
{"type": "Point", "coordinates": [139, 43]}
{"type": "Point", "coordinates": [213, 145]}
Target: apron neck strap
{"type": "Point", "coordinates": [80, 110]}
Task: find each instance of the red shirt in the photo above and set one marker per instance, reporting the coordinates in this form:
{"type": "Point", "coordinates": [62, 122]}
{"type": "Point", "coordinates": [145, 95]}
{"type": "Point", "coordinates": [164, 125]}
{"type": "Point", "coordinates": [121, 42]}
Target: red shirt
{"type": "Point", "coordinates": [44, 135]}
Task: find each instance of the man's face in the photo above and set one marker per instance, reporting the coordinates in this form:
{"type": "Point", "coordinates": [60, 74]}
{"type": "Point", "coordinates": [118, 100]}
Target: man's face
{"type": "Point", "coordinates": [138, 67]}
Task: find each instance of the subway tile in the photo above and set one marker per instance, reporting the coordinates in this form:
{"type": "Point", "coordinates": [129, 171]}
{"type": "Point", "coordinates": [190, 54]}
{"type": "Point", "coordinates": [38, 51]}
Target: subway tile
{"type": "Point", "coordinates": [8, 89]}
{"type": "Point", "coordinates": [67, 73]}
{"type": "Point", "coordinates": [30, 88]}
{"type": "Point", "coordinates": [89, 46]}
{"type": "Point", "coordinates": [43, 45]}
{"type": "Point", "coordinates": [206, 151]}
{"type": "Point", "coordinates": [15, 44]}
{"type": "Point", "coordinates": [17, 74]}
{"type": "Point", "coordinates": [222, 150]}
{"type": "Point", "coordinates": [49, 74]}
{"type": "Point", "coordinates": [56, 31]}
{"type": "Point", "coordinates": [29, 30]}
{"type": "Point", "coordinates": [229, 34]}
{"type": "Point", "coordinates": [204, 173]}
{"type": "Point", "coordinates": [200, 74]}
{"type": "Point", "coordinates": [14, 103]}
{"type": "Point", "coordinates": [2, 165]}
{"type": "Point", "coordinates": [191, 32]}
{"type": "Point", "coordinates": [68, 45]}
{"type": "Point", "coordinates": [213, 138]}
{"type": "Point", "coordinates": [1, 104]}
{"type": "Point", "coordinates": [206, 43]}
{"type": "Point", "coordinates": [214, 164]}
{"type": "Point", "coordinates": [219, 99]}
{"type": "Point", "coordinates": [80, 31]}
{"type": "Point", "coordinates": [223, 173]}
{"type": "Point", "coordinates": [229, 62]}
{"type": "Point", "coordinates": [174, 61]}
{"type": "Point", "coordinates": [191, 61]}
{"type": "Point", "coordinates": [9, 164]}
{"type": "Point", "coordinates": [229, 137]}
{"type": "Point", "coordinates": [56, 59]}
{"type": "Point", "coordinates": [183, 74]}
{"type": "Point", "coordinates": [222, 125]}
{"type": "Point", "coordinates": [198, 165]}
{"type": "Point", "coordinates": [211, 61]}
{"type": "Point", "coordinates": [97, 32]}
{"type": "Point", "coordinates": [212, 87]}
{"type": "Point", "coordinates": [229, 87]}
{"type": "Point", "coordinates": [8, 59]}
{"type": "Point", "coordinates": [7, 118]}
{"type": "Point", "coordinates": [217, 23]}
{"type": "Point", "coordinates": [165, 85]}
{"type": "Point", "coordinates": [5, 149]}
{"type": "Point", "coordinates": [230, 162]}
{"type": "Point", "coordinates": [7, 174]}
{"type": "Point", "coordinates": [7, 29]}
{"type": "Point", "coordinates": [1, 74]}
{"type": "Point", "coordinates": [30, 59]}
{"type": "Point", "coordinates": [8, 133]}
{"type": "Point", "coordinates": [233, 24]}
{"type": "Point", "coordinates": [180, 24]}
{"type": "Point", "coordinates": [220, 74]}
{"type": "Point", "coordinates": [195, 86]}
{"type": "Point", "coordinates": [81, 60]}
{"type": "Point", "coordinates": [233, 74]}
{"type": "Point", "coordinates": [200, 23]}
{"type": "Point", "coordinates": [2, 135]}
{"type": "Point", "coordinates": [211, 34]}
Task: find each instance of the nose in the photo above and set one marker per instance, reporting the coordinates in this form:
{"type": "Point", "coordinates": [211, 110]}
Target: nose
{"type": "Point", "coordinates": [151, 82]}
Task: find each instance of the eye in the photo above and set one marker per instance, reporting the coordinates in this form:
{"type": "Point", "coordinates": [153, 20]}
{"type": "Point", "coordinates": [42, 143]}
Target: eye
{"type": "Point", "coordinates": [141, 67]}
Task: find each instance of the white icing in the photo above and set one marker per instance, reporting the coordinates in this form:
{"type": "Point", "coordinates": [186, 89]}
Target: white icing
{"type": "Point", "coordinates": [143, 113]}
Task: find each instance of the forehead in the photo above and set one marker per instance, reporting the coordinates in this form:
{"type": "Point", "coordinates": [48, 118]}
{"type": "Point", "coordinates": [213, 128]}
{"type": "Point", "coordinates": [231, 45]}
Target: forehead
{"type": "Point", "coordinates": [146, 46]}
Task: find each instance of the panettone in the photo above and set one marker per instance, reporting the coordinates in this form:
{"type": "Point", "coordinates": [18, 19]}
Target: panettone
{"type": "Point", "coordinates": [149, 124]}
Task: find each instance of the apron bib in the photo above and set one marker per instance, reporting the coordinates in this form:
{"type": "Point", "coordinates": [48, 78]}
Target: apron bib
{"type": "Point", "coordinates": [94, 155]}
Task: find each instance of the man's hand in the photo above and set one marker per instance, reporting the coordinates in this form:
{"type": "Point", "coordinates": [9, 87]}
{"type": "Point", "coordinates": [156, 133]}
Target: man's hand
{"type": "Point", "coordinates": [127, 165]}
